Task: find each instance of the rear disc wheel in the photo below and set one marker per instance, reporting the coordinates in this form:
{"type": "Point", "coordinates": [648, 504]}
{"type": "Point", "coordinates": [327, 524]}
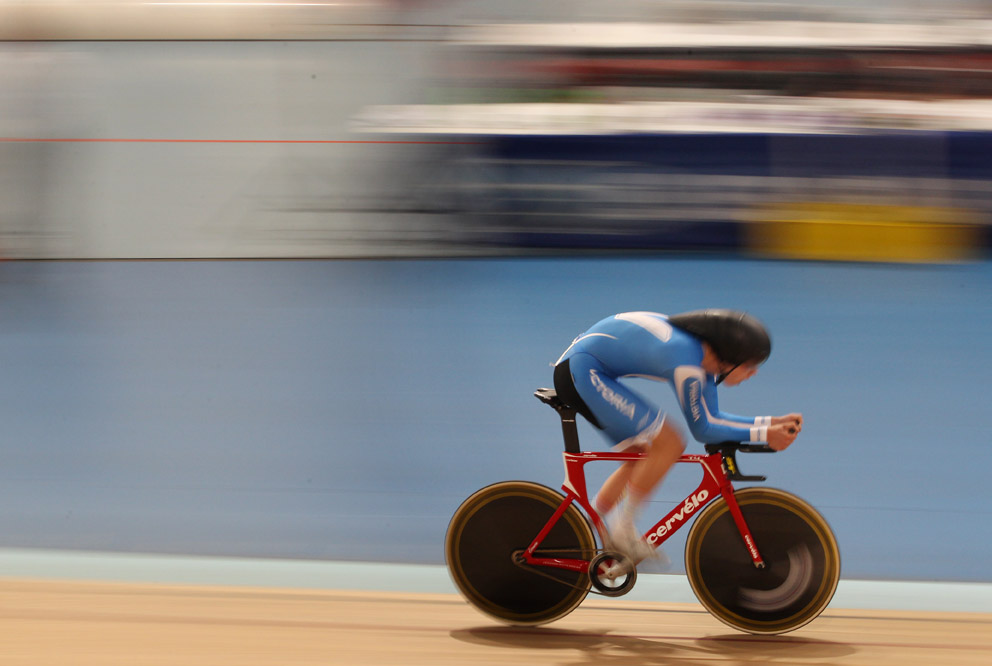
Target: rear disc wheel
{"type": "Point", "coordinates": [486, 537]}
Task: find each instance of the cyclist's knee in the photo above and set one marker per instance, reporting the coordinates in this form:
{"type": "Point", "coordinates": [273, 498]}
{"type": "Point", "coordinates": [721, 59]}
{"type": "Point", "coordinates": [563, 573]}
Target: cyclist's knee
{"type": "Point", "coordinates": [668, 437]}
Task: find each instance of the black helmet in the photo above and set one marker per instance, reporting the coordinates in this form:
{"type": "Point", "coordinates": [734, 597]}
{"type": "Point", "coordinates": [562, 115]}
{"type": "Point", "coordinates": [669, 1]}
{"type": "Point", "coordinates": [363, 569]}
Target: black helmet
{"type": "Point", "coordinates": [736, 337]}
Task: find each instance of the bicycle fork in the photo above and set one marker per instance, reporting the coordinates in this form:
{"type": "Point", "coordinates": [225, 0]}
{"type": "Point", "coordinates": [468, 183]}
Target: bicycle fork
{"type": "Point", "coordinates": [738, 516]}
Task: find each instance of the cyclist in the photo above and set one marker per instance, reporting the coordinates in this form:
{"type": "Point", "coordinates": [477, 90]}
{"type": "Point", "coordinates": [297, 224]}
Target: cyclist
{"type": "Point", "coordinates": [694, 352]}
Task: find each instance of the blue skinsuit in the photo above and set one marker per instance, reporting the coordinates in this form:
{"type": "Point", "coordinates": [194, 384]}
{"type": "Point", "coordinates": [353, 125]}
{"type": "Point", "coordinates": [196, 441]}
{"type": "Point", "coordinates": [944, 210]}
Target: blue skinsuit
{"type": "Point", "coordinates": [644, 344]}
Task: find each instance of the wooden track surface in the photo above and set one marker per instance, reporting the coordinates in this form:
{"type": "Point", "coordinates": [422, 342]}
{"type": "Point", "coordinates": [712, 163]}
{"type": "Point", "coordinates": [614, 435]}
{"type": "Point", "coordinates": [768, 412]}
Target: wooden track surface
{"type": "Point", "coordinates": [105, 624]}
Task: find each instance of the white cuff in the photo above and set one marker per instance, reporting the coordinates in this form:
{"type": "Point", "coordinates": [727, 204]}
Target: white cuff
{"type": "Point", "coordinates": [759, 434]}
{"type": "Point", "coordinates": [762, 420]}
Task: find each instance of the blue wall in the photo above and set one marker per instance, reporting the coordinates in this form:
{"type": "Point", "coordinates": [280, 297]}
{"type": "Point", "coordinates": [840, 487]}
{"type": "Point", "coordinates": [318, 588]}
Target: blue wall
{"type": "Point", "coordinates": [342, 410]}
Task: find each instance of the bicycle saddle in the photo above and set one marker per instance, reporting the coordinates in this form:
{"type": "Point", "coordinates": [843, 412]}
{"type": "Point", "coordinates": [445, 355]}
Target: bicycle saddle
{"type": "Point", "coordinates": [549, 396]}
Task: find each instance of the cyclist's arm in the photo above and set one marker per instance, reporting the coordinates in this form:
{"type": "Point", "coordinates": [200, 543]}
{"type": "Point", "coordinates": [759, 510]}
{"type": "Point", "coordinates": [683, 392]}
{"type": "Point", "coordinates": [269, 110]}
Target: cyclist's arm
{"type": "Point", "coordinates": [743, 420]}
{"type": "Point", "coordinates": [697, 397]}
{"type": "Point", "coordinates": [709, 393]}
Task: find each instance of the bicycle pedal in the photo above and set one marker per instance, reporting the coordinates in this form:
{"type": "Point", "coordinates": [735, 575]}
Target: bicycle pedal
{"type": "Point", "coordinates": [616, 564]}
{"type": "Point", "coordinates": [612, 574]}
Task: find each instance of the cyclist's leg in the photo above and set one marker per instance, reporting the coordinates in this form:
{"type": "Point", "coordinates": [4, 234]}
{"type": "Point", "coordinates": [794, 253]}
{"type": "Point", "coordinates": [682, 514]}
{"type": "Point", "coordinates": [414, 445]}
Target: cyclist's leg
{"type": "Point", "coordinates": [629, 420]}
{"type": "Point", "coordinates": [612, 489]}
{"type": "Point", "coordinates": [623, 415]}
{"type": "Point", "coordinates": [641, 477]}
{"type": "Point", "coordinates": [665, 449]}
{"type": "Point", "coordinates": [646, 475]}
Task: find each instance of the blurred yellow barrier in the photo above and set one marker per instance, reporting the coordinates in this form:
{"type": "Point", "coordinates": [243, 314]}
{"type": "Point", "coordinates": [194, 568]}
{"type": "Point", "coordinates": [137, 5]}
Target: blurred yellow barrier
{"type": "Point", "coordinates": [864, 232]}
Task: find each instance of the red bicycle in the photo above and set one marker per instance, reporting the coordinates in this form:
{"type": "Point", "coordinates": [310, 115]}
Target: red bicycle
{"type": "Point", "coordinates": [761, 560]}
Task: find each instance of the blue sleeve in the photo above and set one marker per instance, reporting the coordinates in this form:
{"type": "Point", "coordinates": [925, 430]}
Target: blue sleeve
{"type": "Point", "coordinates": [697, 397]}
{"type": "Point", "coordinates": [709, 394]}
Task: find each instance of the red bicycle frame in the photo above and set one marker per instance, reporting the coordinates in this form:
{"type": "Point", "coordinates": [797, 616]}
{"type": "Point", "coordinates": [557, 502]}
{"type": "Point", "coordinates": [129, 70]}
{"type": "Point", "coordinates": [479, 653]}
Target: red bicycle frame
{"type": "Point", "coordinates": [714, 482]}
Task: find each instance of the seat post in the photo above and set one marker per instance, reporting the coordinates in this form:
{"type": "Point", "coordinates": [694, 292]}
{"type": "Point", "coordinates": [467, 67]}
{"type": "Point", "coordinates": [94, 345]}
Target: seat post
{"type": "Point", "coordinates": [567, 413]}
{"type": "Point", "coordinates": [569, 430]}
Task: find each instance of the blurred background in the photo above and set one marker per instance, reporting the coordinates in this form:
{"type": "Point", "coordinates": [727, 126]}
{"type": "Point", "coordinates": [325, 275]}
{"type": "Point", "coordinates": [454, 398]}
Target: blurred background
{"type": "Point", "coordinates": [817, 129]}
{"type": "Point", "coordinates": [457, 189]}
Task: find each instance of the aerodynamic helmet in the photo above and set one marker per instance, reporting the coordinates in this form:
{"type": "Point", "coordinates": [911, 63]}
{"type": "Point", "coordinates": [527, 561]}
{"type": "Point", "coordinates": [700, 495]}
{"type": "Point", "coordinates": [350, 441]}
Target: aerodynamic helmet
{"type": "Point", "coordinates": [735, 336]}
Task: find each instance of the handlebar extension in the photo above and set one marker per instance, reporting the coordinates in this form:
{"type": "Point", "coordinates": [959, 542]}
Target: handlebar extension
{"type": "Point", "coordinates": [729, 452]}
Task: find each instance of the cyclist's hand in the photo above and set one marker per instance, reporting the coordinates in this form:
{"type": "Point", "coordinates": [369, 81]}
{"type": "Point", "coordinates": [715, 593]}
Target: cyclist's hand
{"type": "Point", "coordinates": [795, 420]}
{"type": "Point", "coordinates": [782, 435]}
